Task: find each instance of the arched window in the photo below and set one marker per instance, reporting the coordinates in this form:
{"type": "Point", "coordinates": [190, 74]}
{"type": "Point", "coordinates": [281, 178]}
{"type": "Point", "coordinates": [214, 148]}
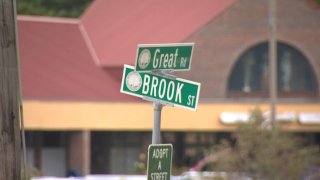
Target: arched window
{"type": "Point", "coordinates": [250, 74]}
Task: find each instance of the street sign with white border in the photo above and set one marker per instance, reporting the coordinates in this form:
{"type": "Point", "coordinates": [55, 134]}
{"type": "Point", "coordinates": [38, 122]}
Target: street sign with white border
{"type": "Point", "coordinates": [178, 92]}
{"type": "Point", "coordinates": [155, 57]}
{"type": "Point", "coordinates": [159, 161]}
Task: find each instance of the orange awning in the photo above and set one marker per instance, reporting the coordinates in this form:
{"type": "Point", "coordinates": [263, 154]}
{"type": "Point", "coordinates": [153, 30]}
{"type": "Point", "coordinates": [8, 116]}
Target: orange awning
{"type": "Point", "coordinates": [121, 116]}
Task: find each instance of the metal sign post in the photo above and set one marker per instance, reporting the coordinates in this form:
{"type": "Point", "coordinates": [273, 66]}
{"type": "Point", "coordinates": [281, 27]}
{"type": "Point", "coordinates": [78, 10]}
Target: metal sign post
{"type": "Point", "coordinates": [156, 134]}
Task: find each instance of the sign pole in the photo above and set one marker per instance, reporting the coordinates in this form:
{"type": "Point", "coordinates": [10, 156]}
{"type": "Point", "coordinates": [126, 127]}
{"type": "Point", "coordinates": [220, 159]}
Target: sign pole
{"type": "Point", "coordinates": [156, 135]}
{"type": "Point", "coordinates": [149, 80]}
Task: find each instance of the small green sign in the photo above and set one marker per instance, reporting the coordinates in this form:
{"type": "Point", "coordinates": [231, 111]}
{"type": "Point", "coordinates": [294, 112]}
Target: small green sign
{"type": "Point", "coordinates": [179, 92]}
{"type": "Point", "coordinates": [152, 57]}
{"type": "Point", "coordinates": [159, 161]}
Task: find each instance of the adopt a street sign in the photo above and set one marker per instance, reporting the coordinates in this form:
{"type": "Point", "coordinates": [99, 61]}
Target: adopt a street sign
{"type": "Point", "coordinates": [178, 92]}
{"type": "Point", "coordinates": [159, 161]}
{"type": "Point", "coordinates": [152, 57]}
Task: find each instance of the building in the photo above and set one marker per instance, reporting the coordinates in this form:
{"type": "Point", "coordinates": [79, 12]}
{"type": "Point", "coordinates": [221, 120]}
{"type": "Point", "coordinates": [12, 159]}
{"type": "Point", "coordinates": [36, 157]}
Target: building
{"type": "Point", "coordinates": [76, 118]}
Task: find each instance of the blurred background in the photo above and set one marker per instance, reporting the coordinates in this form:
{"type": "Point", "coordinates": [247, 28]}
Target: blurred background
{"type": "Point", "coordinates": [72, 54]}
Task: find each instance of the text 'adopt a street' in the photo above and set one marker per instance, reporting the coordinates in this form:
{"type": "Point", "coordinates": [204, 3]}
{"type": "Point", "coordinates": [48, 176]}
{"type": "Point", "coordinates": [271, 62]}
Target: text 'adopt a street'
{"type": "Point", "coordinates": [159, 161]}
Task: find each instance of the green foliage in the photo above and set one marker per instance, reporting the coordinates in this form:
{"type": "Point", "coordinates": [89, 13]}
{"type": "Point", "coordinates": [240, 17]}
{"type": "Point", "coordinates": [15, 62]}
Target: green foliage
{"type": "Point", "coordinates": [317, 1]}
{"type": "Point", "coordinates": [266, 153]}
{"type": "Point", "coordinates": [61, 8]}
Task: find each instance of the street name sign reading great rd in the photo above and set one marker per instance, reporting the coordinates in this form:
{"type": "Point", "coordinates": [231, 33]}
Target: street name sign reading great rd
{"type": "Point", "coordinates": [152, 57]}
{"type": "Point", "coordinates": [159, 161]}
{"type": "Point", "coordinates": [178, 92]}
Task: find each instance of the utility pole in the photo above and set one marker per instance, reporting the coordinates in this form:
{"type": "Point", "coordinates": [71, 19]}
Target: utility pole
{"type": "Point", "coordinates": [10, 139]}
{"type": "Point", "coordinates": [273, 60]}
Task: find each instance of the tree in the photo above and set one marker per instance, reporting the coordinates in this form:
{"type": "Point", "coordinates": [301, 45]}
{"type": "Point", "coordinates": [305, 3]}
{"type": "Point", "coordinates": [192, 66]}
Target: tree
{"type": "Point", "coordinates": [61, 8]}
{"type": "Point", "coordinates": [265, 153]}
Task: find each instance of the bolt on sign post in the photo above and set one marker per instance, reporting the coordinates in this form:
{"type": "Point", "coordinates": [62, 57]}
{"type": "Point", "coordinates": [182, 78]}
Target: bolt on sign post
{"type": "Point", "coordinates": [152, 57]}
{"type": "Point", "coordinates": [178, 92]}
{"type": "Point", "coordinates": [159, 161]}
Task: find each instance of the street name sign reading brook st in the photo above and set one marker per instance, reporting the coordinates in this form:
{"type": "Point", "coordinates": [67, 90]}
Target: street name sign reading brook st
{"type": "Point", "coordinates": [152, 57]}
{"type": "Point", "coordinates": [159, 161]}
{"type": "Point", "coordinates": [178, 92]}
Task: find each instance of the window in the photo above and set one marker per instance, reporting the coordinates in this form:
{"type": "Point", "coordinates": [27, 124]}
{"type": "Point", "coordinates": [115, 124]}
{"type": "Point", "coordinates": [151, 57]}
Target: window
{"type": "Point", "coordinates": [250, 74]}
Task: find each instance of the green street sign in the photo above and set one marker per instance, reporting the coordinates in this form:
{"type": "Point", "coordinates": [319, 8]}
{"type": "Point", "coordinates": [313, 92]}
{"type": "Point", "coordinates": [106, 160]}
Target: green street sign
{"type": "Point", "coordinates": [178, 92]}
{"type": "Point", "coordinates": [152, 57]}
{"type": "Point", "coordinates": [159, 161]}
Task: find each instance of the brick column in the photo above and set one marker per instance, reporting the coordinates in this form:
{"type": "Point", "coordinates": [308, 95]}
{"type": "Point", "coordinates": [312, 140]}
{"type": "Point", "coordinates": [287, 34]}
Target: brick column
{"type": "Point", "coordinates": [79, 152]}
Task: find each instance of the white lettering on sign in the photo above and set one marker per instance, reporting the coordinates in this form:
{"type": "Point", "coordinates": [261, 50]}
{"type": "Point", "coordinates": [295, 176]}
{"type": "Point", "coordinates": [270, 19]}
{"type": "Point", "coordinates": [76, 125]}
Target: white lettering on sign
{"type": "Point", "coordinates": [160, 153]}
{"type": "Point", "coordinates": [178, 93]}
{"type": "Point", "coordinates": [162, 88]}
{"type": "Point", "coordinates": [170, 90]}
{"type": "Point", "coordinates": [164, 60]}
{"type": "Point", "coordinates": [159, 162]}
{"type": "Point", "coordinates": [190, 100]}
{"type": "Point", "coordinates": [288, 116]}
{"type": "Point", "coordinates": [183, 62]}
{"type": "Point", "coordinates": [234, 117]}
{"type": "Point", "coordinates": [309, 117]}
{"type": "Point", "coordinates": [154, 88]}
{"type": "Point", "coordinates": [145, 87]}
{"type": "Point", "coordinates": [159, 166]}
{"type": "Point", "coordinates": [159, 176]}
